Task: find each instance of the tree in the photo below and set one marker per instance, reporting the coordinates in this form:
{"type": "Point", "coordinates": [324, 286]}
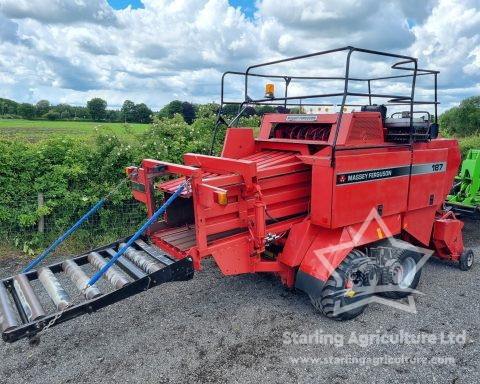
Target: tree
{"type": "Point", "coordinates": [128, 110]}
{"type": "Point", "coordinates": [80, 113]}
{"type": "Point", "coordinates": [97, 108]}
{"type": "Point", "coordinates": [231, 110]}
{"type": "Point", "coordinates": [8, 106]}
{"type": "Point", "coordinates": [26, 110]}
{"type": "Point", "coordinates": [171, 109]}
{"type": "Point", "coordinates": [43, 106]}
{"type": "Point", "coordinates": [261, 110]}
{"type": "Point", "coordinates": [114, 115]}
{"type": "Point", "coordinates": [207, 110]}
{"type": "Point", "coordinates": [60, 108]}
{"type": "Point", "coordinates": [463, 120]}
{"type": "Point", "coordinates": [188, 112]}
{"type": "Point", "coordinates": [249, 111]}
{"type": "Point", "coordinates": [65, 115]}
{"type": "Point", "coordinates": [51, 115]}
{"type": "Point", "coordinates": [142, 114]}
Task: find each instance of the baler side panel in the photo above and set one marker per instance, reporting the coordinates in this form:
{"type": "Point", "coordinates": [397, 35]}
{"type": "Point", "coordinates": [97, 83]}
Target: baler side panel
{"type": "Point", "coordinates": [321, 204]}
{"type": "Point", "coordinates": [372, 229]}
{"type": "Point", "coordinates": [428, 178]}
{"type": "Point", "coordinates": [427, 185]}
{"type": "Point", "coordinates": [418, 223]}
{"type": "Point", "coordinates": [299, 240]}
{"type": "Point", "coordinates": [327, 251]}
{"type": "Point", "coordinates": [359, 187]}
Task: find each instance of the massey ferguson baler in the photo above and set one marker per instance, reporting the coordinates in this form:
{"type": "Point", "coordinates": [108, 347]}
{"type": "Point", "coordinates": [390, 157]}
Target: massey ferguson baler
{"type": "Point", "coordinates": [339, 205]}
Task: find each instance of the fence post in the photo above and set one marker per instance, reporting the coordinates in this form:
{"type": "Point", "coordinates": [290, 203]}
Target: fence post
{"type": "Point", "coordinates": [41, 219]}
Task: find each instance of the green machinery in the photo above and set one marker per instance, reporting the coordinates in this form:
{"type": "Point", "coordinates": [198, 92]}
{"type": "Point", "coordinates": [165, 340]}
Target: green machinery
{"type": "Point", "coordinates": [465, 196]}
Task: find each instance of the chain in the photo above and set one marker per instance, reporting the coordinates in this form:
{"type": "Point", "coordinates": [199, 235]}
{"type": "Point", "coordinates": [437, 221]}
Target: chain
{"type": "Point", "coordinates": [119, 185]}
{"type": "Point", "coordinates": [35, 340]}
{"type": "Point", "coordinates": [188, 185]}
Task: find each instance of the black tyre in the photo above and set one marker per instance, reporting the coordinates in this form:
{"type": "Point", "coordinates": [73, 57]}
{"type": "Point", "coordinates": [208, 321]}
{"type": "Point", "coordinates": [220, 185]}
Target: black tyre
{"type": "Point", "coordinates": [346, 293]}
{"type": "Point", "coordinates": [401, 273]}
{"type": "Point", "coordinates": [467, 259]}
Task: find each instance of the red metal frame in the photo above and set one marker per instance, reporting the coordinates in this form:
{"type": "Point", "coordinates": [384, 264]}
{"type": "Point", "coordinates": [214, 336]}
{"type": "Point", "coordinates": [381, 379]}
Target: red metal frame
{"type": "Point", "coordinates": [287, 192]}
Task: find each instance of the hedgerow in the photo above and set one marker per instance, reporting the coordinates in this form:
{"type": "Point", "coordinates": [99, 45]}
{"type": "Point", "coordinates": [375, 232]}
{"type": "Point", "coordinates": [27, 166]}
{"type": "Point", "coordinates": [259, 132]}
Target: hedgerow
{"type": "Point", "coordinates": [73, 174]}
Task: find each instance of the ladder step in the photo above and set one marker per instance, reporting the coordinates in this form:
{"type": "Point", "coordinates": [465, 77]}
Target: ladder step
{"type": "Point", "coordinates": [28, 300]}
{"type": "Point", "coordinates": [80, 279]}
{"type": "Point", "coordinates": [141, 259]}
{"type": "Point", "coordinates": [59, 296]}
{"type": "Point", "coordinates": [113, 275]}
{"type": "Point", "coordinates": [8, 319]}
{"type": "Point", "coordinates": [127, 265]}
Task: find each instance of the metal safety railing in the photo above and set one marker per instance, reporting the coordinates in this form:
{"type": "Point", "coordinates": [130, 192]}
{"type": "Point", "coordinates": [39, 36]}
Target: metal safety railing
{"type": "Point", "coordinates": [287, 100]}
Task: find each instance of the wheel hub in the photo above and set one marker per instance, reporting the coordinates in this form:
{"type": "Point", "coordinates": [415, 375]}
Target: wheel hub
{"type": "Point", "coordinates": [409, 268]}
{"type": "Point", "coordinates": [470, 259]}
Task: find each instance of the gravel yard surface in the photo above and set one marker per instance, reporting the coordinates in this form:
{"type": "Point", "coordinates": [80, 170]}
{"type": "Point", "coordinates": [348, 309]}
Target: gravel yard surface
{"type": "Point", "coordinates": [251, 329]}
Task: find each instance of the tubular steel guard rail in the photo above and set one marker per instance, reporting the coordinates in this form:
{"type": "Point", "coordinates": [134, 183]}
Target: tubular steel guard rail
{"type": "Point", "coordinates": [394, 99]}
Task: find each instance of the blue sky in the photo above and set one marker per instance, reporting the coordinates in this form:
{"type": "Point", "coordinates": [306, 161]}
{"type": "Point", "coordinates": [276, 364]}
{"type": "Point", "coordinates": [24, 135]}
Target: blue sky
{"type": "Point", "coordinates": [247, 6]}
{"type": "Point", "coordinates": [121, 4]}
{"type": "Point", "coordinates": [159, 50]}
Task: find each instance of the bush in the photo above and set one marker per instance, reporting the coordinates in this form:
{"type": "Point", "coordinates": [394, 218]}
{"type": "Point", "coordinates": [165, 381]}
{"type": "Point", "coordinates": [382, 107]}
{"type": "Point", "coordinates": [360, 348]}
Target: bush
{"type": "Point", "coordinates": [467, 143]}
{"type": "Point", "coordinates": [10, 116]}
{"type": "Point", "coordinates": [51, 115]}
{"type": "Point", "coordinates": [463, 120]}
{"type": "Point", "coordinates": [73, 174]}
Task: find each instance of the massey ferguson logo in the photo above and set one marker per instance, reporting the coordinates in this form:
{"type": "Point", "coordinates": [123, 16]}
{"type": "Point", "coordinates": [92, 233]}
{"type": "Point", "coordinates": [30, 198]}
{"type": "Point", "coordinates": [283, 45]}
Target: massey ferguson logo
{"type": "Point", "coordinates": [386, 173]}
{"type": "Point", "coordinates": [364, 176]}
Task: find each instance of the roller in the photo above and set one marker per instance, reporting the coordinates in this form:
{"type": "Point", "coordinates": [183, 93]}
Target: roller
{"type": "Point", "coordinates": [29, 301]}
{"type": "Point", "coordinates": [8, 320]}
{"type": "Point", "coordinates": [141, 259]}
{"type": "Point", "coordinates": [80, 279]}
{"type": "Point", "coordinates": [59, 296]}
{"type": "Point", "coordinates": [113, 275]}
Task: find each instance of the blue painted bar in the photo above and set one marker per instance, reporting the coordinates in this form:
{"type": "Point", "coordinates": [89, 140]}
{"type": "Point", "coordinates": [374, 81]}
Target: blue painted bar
{"type": "Point", "coordinates": [63, 237]}
{"type": "Point", "coordinates": [150, 221]}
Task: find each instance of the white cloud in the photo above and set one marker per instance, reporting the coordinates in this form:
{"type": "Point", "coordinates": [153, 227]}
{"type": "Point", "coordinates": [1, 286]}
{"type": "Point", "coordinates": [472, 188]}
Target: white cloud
{"type": "Point", "coordinates": [60, 11]}
{"type": "Point", "coordinates": [448, 41]}
{"type": "Point", "coordinates": [70, 51]}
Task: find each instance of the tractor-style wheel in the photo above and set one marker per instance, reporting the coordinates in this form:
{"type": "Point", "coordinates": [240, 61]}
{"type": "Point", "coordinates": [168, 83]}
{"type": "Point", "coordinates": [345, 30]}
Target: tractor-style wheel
{"type": "Point", "coordinates": [346, 293]}
{"type": "Point", "coordinates": [401, 274]}
{"type": "Point", "coordinates": [466, 260]}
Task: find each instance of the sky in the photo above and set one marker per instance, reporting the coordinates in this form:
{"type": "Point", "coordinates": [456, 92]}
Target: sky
{"type": "Point", "coordinates": [155, 51]}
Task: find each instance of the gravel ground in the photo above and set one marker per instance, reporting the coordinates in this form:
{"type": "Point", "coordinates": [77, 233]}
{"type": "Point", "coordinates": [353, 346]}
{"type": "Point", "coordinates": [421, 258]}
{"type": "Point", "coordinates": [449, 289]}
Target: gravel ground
{"type": "Point", "coordinates": [235, 329]}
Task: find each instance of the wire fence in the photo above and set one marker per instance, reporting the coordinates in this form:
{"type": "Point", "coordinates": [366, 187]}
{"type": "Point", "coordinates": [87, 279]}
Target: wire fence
{"type": "Point", "coordinates": [29, 225]}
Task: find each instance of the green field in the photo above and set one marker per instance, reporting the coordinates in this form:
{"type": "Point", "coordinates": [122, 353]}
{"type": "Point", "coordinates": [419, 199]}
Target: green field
{"type": "Point", "coordinates": [36, 130]}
